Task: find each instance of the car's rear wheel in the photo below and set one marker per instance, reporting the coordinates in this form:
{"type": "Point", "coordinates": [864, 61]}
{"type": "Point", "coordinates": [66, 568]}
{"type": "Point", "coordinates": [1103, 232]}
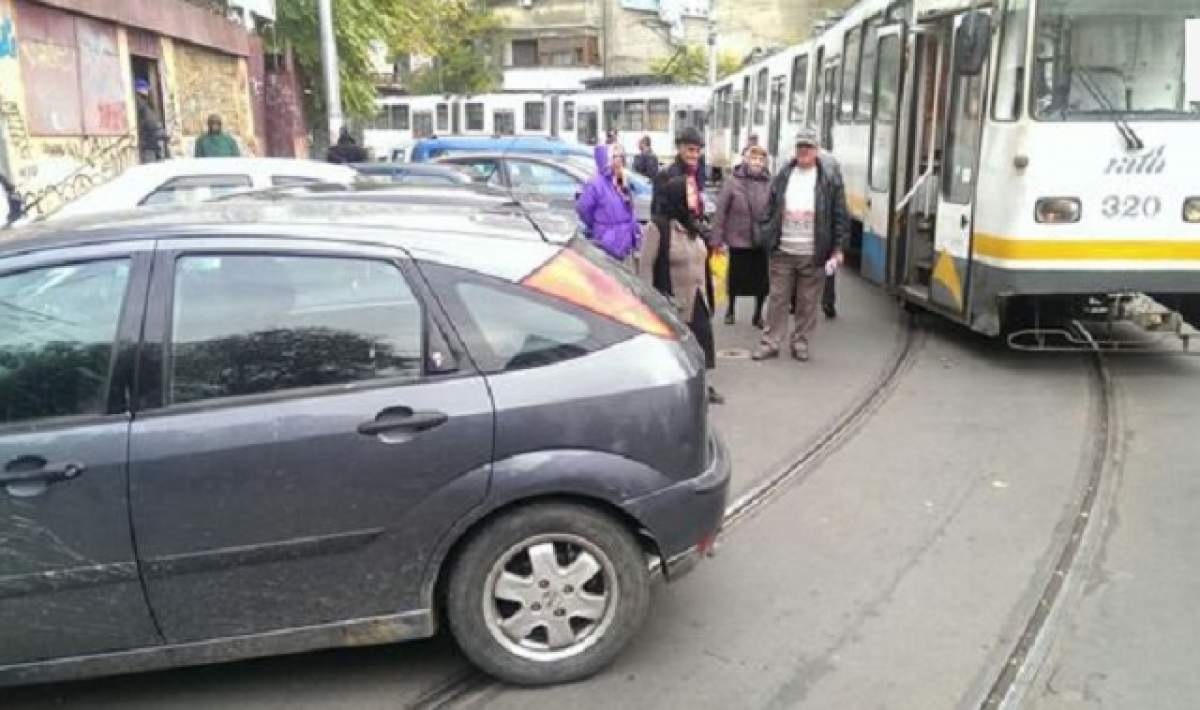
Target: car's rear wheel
{"type": "Point", "coordinates": [548, 593]}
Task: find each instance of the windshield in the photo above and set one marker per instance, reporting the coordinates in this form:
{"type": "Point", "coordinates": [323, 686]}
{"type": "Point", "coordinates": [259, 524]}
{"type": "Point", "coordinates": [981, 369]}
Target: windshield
{"type": "Point", "coordinates": [1102, 58]}
{"type": "Point", "coordinates": [638, 183]}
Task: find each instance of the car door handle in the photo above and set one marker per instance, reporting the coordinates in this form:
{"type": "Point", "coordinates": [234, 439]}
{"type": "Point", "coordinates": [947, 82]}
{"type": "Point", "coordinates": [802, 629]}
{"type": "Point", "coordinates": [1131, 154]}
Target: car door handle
{"type": "Point", "coordinates": [965, 221]}
{"type": "Point", "coordinates": [405, 419]}
{"type": "Point", "coordinates": [35, 469]}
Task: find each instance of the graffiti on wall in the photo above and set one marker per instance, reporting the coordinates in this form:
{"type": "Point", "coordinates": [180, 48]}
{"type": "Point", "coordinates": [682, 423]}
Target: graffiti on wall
{"type": "Point", "coordinates": [14, 125]}
{"type": "Point", "coordinates": [70, 168]}
{"type": "Point", "coordinates": [172, 123]}
{"type": "Point", "coordinates": [8, 40]}
{"type": "Point", "coordinates": [209, 83]}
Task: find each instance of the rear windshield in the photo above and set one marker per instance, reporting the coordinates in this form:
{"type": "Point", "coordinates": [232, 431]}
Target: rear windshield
{"type": "Point", "coordinates": [657, 302]}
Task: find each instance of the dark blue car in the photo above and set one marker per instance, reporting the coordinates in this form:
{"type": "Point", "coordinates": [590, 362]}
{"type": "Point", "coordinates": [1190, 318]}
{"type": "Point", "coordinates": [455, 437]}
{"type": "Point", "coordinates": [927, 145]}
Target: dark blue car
{"type": "Point", "coordinates": [281, 423]}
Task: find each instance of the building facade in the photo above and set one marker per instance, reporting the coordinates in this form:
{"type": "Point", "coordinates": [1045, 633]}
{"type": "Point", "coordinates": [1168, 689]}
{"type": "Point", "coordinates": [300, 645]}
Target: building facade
{"type": "Point", "coordinates": [744, 26]}
{"type": "Point", "coordinates": [68, 111]}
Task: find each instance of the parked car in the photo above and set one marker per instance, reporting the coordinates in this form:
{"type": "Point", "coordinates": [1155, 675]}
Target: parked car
{"type": "Point", "coordinates": [271, 425]}
{"type": "Point", "coordinates": [558, 180]}
{"type": "Point", "coordinates": [188, 180]}
{"type": "Point", "coordinates": [428, 149]}
{"type": "Point", "coordinates": [413, 173]}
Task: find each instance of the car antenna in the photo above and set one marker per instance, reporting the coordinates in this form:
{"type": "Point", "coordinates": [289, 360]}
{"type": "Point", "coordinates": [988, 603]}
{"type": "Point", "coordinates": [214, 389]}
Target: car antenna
{"type": "Point", "coordinates": [512, 196]}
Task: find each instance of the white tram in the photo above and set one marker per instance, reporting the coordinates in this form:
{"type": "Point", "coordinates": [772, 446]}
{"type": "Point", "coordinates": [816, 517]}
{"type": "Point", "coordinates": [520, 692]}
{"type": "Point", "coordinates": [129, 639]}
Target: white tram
{"type": "Point", "coordinates": [1002, 158]}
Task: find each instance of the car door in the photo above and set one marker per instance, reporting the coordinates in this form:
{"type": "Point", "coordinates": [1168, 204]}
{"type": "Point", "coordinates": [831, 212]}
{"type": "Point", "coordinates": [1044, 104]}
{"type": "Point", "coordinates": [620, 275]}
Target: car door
{"type": "Point", "coordinates": [309, 435]}
{"type": "Point", "coordinates": [68, 574]}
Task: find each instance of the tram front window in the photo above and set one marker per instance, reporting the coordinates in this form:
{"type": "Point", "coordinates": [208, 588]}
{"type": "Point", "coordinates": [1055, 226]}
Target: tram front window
{"type": "Point", "coordinates": [1105, 58]}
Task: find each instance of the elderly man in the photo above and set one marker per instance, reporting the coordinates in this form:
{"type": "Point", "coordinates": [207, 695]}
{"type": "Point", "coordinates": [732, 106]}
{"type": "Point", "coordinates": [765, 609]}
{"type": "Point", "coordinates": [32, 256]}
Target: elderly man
{"type": "Point", "coordinates": [806, 225]}
{"type": "Point", "coordinates": [216, 143]}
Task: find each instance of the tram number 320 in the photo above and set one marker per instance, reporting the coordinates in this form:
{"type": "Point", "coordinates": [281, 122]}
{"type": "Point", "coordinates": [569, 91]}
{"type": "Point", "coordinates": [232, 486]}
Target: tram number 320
{"type": "Point", "coordinates": [1131, 206]}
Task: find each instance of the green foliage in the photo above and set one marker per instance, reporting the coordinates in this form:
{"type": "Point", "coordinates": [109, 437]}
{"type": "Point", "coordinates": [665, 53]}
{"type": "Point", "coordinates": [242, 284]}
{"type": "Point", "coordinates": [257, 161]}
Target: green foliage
{"type": "Point", "coordinates": [404, 26]}
{"type": "Point", "coordinates": [690, 65]}
{"type": "Point", "coordinates": [461, 46]}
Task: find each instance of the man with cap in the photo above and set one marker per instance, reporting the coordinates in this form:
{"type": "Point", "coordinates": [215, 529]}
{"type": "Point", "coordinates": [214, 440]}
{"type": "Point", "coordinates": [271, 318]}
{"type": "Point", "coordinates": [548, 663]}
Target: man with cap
{"type": "Point", "coordinates": [149, 127]}
{"type": "Point", "coordinates": [689, 163]}
{"type": "Point", "coordinates": [216, 143]}
{"type": "Point", "coordinates": [806, 224]}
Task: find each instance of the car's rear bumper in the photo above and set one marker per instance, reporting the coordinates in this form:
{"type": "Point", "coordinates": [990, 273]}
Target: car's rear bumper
{"type": "Point", "coordinates": [685, 518]}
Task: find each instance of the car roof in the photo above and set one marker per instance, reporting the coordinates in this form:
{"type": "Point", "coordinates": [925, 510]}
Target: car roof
{"type": "Point", "coordinates": [497, 238]}
{"type": "Point", "coordinates": [556, 160]}
{"type": "Point", "coordinates": [409, 169]}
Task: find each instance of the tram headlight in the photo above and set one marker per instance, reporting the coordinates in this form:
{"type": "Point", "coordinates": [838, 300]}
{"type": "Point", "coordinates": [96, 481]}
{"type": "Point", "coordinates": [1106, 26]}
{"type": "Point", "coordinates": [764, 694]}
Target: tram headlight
{"type": "Point", "coordinates": [1058, 210]}
{"type": "Point", "coordinates": [1191, 209]}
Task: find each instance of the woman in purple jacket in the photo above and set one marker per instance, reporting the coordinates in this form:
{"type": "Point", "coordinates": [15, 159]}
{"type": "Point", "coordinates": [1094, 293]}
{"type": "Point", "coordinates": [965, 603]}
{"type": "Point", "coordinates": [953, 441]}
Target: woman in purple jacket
{"type": "Point", "coordinates": [606, 206]}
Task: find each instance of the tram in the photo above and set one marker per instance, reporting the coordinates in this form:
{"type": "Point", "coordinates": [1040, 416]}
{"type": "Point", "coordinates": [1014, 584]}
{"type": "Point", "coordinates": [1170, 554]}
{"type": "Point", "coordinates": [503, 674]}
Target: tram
{"type": "Point", "coordinates": [1007, 162]}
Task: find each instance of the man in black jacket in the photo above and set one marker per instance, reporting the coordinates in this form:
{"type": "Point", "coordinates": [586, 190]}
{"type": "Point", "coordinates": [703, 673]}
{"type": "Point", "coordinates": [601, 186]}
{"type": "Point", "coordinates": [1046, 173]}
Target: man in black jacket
{"type": "Point", "coordinates": [646, 162]}
{"type": "Point", "coordinates": [806, 224]}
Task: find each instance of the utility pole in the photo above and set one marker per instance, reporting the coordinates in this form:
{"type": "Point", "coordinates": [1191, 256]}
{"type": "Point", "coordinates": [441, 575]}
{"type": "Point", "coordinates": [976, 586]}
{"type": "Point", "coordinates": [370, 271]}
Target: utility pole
{"type": "Point", "coordinates": [712, 45]}
{"type": "Point", "coordinates": [329, 60]}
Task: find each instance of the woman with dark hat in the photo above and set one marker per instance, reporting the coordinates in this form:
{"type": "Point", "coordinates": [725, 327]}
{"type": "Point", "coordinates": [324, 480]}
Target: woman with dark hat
{"type": "Point", "coordinates": [674, 259]}
{"type": "Point", "coordinates": [742, 201]}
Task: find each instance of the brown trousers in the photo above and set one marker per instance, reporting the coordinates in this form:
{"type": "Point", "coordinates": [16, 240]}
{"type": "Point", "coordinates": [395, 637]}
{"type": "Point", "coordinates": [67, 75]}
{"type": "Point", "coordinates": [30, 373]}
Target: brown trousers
{"type": "Point", "coordinates": [805, 278]}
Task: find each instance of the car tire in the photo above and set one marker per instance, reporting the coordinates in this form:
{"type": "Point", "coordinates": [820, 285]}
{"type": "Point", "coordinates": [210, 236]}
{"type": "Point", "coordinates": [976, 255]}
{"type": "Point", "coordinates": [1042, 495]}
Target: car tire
{"type": "Point", "coordinates": [523, 601]}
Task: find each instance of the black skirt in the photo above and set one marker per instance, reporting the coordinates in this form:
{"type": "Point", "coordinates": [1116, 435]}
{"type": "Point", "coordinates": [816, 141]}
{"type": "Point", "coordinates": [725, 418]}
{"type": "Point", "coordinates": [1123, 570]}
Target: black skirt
{"type": "Point", "coordinates": [748, 272]}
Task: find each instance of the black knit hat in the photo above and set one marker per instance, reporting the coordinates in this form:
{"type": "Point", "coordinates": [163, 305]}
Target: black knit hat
{"type": "Point", "coordinates": [689, 136]}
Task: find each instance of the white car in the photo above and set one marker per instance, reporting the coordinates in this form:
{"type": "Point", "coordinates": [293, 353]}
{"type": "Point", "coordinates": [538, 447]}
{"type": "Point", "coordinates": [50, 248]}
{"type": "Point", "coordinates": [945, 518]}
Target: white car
{"type": "Point", "coordinates": [188, 180]}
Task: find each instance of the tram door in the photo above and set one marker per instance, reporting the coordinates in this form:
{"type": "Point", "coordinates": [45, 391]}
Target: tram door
{"type": "Point", "coordinates": [735, 134]}
{"type": "Point", "coordinates": [962, 140]}
{"type": "Point", "coordinates": [886, 164]}
{"type": "Point", "coordinates": [829, 104]}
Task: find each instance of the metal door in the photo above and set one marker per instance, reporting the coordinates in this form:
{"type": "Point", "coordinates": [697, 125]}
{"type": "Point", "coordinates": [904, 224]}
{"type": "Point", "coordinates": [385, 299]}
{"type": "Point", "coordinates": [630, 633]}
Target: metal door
{"type": "Point", "coordinates": [959, 174]}
{"type": "Point", "coordinates": [773, 131]}
{"type": "Point", "coordinates": [69, 581]}
{"type": "Point", "coordinates": [304, 455]}
{"type": "Point", "coordinates": [882, 165]}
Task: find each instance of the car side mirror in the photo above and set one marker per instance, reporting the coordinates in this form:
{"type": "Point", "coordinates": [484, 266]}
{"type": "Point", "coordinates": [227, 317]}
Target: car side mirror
{"type": "Point", "coordinates": [972, 43]}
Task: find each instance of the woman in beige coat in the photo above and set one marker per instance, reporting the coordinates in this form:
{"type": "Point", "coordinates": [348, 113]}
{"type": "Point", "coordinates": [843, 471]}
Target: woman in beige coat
{"type": "Point", "coordinates": [673, 260]}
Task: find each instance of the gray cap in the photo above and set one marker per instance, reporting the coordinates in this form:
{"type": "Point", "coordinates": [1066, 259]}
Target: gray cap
{"type": "Point", "coordinates": [808, 136]}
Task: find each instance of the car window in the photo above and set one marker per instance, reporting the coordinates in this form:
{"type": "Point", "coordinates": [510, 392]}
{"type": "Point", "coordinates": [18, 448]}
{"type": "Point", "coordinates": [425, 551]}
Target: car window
{"type": "Point", "coordinates": [256, 324]}
{"type": "Point", "coordinates": [482, 171]}
{"type": "Point", "coordinates": [541, 178]}
{"type": "Point", "coordinates": [188, 189]}
{"type": "Point", "coordinates": [57, 328]}
{"type": "Point", "coordinates": [289, 180]}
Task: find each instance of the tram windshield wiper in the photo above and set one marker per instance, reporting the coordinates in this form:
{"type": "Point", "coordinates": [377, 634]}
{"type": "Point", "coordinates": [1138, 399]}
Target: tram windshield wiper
{"type": "Point", "coordinates": [1131, 138]}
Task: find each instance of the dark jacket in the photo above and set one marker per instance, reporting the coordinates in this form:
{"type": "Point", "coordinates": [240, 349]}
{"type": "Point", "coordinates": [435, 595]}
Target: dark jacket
{"type": "Point", "coordinates": [742, 200]}
{"type": "Point", "coordinates": [831, 218]}
{"type": "Point", "coordinates": [607, 211]}
{"type": "Point", "coordinates": [677, 168]}
{"type": "Point", "coordinates": [646, 164]}
{"type": "Point", "coordinates": [11, 205]}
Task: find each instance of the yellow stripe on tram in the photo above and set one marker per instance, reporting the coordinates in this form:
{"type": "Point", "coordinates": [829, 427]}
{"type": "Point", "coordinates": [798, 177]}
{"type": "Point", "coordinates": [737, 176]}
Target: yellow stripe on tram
{"type": "Point", "coordinates": [997, 247]}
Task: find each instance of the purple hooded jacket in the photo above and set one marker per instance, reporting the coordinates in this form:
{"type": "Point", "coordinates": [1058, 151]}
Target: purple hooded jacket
{"type": "Point", "coordinates": [607, 212]}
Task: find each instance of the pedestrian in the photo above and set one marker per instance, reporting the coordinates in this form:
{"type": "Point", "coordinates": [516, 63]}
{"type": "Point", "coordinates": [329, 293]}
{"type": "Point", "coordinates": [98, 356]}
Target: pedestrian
{"type": "Point", "coordinates": [674, 262]}
{"type": "Point", "coordinates": [12, 203]}
{"type": "Point", "coordinates": [806, 224]}
{"type": "Point", "coordinates": [149, 126]}
{"type": "Point", "coordinates": [611, 137]}
{"type": "Point", "coordinates": [606, 206]}
{"type": "Point", "coordinates": [689, 145]}
{"type": "Point", "coordinates": [742, 200]}
{"type": "Point", "coordinates": [646, 162]}
{"type": "Point", "coordinates": [216, 143]}
{"type": "Point", "coordinates": [346, 150]}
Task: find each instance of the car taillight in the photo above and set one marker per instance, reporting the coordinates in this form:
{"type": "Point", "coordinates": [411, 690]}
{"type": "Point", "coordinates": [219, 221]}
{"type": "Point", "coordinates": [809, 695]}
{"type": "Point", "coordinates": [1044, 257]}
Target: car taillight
{"type": "Point", "coordinates": [574, 279]}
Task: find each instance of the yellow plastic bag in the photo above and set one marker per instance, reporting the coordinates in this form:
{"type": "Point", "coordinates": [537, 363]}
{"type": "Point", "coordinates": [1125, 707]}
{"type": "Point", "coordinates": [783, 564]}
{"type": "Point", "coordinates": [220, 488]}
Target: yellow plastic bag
{"type": "Point", "coordinates": [718, 266]}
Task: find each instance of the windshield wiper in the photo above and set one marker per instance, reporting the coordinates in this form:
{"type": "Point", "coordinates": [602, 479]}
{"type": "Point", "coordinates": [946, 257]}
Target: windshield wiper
{"type": "Point", "coordinates": [1132, 140]}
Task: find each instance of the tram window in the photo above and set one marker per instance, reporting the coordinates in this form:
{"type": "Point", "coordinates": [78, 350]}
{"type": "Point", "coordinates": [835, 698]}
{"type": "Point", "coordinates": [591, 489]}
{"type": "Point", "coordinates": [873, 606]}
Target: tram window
{"type": "Point", "coordinates": [612, 115]}
{"type": "Point", "coordinates": [799, 99]}
{"type": "Point", "coordinates": [887, 104]}
{"type": "Point", "coordinates": [851, 54]}
{"type": "Point", "coordinates": [634, 116]}
{"type": "Point", "coordinates": [400, 117]}
{"type": "Point", "coordinates": [443, 117]}
{"type": "Point", "coordinates": [504, 123]}
{"type": "Point", "coordinates": [658, 115]}
{"type": "Point", "coordinates": [815, 96]}
{"type": "Point", "coordinates": [535, 116]}
{"type": "Point", "coordinates": [760, 97]}
{"type": "Point", "coordinates": [475, 117]}
{"type": "Point", "coordinates": [962, 143]}
{"type": "Point", "coordinates": [1010, 77]}
{"type": "Point", "coordinates": [422, 124]}
{"type": "Point", "coordinates": [866, 72]}
{"type": "Point", "coordinates": [745, 105]}
{"type": "Point", "coordinates": [568, 115]}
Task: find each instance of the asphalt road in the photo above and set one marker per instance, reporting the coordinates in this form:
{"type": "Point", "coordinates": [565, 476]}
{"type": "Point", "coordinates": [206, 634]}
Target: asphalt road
{"type": "Point", "coordinates": [897, 571]}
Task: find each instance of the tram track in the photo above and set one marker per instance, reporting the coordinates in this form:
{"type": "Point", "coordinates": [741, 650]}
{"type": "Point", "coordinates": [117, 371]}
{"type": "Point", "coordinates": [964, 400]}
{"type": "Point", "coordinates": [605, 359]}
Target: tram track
{"type": "Point", "coordinates": [1102, 465]}
{"type": "Point", "coordinates": [473, 687]}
